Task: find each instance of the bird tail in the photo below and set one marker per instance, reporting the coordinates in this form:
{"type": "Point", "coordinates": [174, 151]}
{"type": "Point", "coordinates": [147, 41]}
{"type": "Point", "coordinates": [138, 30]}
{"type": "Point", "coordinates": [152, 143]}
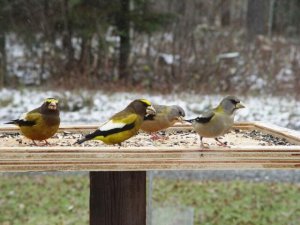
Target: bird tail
{"type": "Point", "coordinates": [189, 121]}
{"type": "Point", "coordinates": [81, 141]}
{"type": "Point", "coordinates": [11, 122]}
{"type": "Point", "coordinates": [21, 122]}
{"type": "Point", "coordinates": [88, 137]}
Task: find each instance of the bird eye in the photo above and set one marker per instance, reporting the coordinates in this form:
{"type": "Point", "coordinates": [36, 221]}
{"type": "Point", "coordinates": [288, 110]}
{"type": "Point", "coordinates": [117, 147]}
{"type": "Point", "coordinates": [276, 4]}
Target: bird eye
{"type": "Point", "coordinates": [234, 101]}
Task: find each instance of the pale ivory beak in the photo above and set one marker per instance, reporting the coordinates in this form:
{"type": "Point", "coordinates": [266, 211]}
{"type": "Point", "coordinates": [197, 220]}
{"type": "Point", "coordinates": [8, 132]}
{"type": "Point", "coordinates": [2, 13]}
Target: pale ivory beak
{"type": "Point", "coordinates": [52, 106]}
{"type": "Point", "coordinates": [180, 119]}
{"type": "Point", "coordinates": [150, 110]}
{"type": "Point", "coordinates": [239, 106]}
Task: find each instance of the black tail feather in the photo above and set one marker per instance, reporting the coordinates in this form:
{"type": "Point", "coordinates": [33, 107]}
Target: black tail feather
{"type": "Point", "coordinates": [89, 137]}
{"type": "Point", "coordinates": [189, 121]}
{"type": "Point", "coordinates": [81, 141]}
{"type": "Point", "coordinates": [10, 122]}
{"type": "Point", "coordinates": [21, 122]}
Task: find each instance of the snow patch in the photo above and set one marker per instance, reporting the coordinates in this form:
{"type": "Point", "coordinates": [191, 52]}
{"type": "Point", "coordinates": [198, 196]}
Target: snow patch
{"type": "Point", "coordinates": [99, 106]}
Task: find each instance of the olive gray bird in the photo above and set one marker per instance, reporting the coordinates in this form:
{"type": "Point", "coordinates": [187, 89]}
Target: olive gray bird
{"type": "Point", "coordinates": [217, 121]}
{"type": "Point", "coordinates": [166, 116]}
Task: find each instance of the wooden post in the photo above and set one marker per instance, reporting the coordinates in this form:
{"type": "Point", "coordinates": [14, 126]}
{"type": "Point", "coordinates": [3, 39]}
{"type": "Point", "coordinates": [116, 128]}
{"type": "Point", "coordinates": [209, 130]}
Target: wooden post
{"type": "Point", "coordinates": [118, 198]}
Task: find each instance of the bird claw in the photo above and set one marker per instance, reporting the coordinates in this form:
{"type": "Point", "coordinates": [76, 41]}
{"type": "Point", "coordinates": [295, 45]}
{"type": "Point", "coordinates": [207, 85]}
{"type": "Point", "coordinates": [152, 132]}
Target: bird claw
{"type": "Point", "coordinates": [222, 144]}
{"type": "Point", "coordinates": [155, 137]}
{"type": "Point", "coordinates": [46, 143]}
{"type": "Point", "coordinates": [204, 145]}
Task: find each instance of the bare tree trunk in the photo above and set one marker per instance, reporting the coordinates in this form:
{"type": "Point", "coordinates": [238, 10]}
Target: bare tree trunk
{"type": "Point", "coordinates": [123, 24]}
{"type": "Point", "coordinates": [270, 19]}
{"type": "Point", "coordinates": [84, 60]}
{"type": "Point", "coordinates": [225, 13]}
{"type": "Point", "coordinates": [2, 60]}
{"type": "Point", "coordinates": [46, 36]}
{"type": "Point", "coordinates": [257, 17]}
{"type": "Point", "coordinates": [67, 35]}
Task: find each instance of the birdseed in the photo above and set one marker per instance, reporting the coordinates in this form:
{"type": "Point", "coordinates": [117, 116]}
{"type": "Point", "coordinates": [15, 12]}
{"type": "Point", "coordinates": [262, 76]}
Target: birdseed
{"type": "Point", "coordinates": [171, 138]}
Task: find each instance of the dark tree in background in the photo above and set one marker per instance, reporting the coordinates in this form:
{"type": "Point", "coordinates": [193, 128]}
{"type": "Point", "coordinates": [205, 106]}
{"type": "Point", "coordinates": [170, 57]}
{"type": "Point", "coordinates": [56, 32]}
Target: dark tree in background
{"type": "Point", "coordinates": [225, 12]}
{"type": "Point", "coordinates": [123, 26]}
{"type": "Point", "coordinates": [147, 42]}
{"type": "Point", "coordinates": [4, 28]}
{"type": "Point", "coordinates": [257, 17]}
{"type": "Point", "coordinates": [2, 59]}
{"type": "Point", "coordinates": [67, 29]}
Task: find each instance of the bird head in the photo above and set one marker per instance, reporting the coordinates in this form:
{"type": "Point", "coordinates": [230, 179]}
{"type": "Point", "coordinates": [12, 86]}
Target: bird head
{"type": "Point", "coordinates": [149, 108]}
{"type": "Point", "coordinates": [51, 104]}
{"type": "Point", "coordinates": [230, 104]}
{"type": "Point", "coordinates": [177, 113]}
{"type": "Point", "coordinates": [143, 107]}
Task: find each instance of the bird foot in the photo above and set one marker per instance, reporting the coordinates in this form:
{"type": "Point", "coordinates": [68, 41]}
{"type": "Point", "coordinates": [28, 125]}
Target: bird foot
{"type": "Point", "coordinates": [222, 144]}
{"type": "Point", "coordinates": [155, 137]}
{"type": "Point", "coordinates": [46, 143]}
{"type": "Point", "coordinates": [204, 145]}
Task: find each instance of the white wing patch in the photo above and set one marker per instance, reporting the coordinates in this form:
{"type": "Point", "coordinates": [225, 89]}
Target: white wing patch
{"type": "Point", "coordinates": [23, 116]}
{"type": "Point", "coordinates": [109, 125]}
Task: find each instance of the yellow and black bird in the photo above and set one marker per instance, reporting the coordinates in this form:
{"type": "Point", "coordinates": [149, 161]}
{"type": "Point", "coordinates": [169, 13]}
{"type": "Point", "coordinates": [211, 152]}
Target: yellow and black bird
{"type": "Point", "coordinates": [41, 123]}
{"type": "Point", "coordinates": [123, 125]}
{"type": "Point", "coordinates": [166, 116]}
{"type": "Point", "coordinates": [218, 121]}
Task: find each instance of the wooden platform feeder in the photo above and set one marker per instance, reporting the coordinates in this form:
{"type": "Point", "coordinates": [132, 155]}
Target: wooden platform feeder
{"type": "Point", "coordinates": [118, 175]}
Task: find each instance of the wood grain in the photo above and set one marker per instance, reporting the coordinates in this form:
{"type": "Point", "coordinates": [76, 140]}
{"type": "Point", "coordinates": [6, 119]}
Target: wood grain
{"type": "Point", "coordinates": [23, 159]}
{"type": "Point", "coordinates": [117, 198]}
{"type": "Point", "coordinates": [114, 159]}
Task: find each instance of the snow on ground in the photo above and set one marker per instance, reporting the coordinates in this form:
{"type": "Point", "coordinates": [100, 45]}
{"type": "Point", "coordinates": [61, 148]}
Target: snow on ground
{"type": "Point", "coordinates": [80, 107]}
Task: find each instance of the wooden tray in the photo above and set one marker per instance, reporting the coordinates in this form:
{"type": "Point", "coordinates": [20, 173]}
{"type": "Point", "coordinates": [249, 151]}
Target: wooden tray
{"type": "Point", "coordinates": [144, 158]}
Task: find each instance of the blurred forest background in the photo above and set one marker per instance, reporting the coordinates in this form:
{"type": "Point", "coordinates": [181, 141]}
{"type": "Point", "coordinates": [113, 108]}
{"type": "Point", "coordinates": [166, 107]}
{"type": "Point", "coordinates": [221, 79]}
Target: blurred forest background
{"type": "Point", "coordinates": [209, 46]}
{"type": "Point", "coordinates": [82, 51]}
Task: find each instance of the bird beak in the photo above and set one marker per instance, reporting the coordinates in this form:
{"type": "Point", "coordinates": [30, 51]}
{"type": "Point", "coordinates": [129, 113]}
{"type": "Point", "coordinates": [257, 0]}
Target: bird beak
{"type": "Point", "coordinates": [52, 106]}
{"type": "Point", "coordinates": [180, 119]}
{"type": "Point", "coordinates": [150, 110]}
{"type": "Point", "coordinates": [239, 106]}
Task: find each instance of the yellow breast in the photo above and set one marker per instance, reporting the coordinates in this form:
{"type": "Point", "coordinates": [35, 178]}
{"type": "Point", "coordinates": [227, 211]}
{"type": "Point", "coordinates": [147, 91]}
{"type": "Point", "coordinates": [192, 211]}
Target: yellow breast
{"type": "Point", "coordinates": [42, 130]}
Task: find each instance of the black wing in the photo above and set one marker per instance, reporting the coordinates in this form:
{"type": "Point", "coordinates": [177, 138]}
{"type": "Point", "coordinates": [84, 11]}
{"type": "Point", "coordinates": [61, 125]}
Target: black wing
{"type": "Point", "coordinates": [204, 118]}
{"type": "Point", "coordinates": [22, 123]}
{"type": "Point", "coordinates": [105, 133]}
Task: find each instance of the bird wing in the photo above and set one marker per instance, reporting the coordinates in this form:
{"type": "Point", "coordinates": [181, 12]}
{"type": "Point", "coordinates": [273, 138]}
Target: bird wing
{"type": "Point", "coordinates": [205, 117]}
{"type": "Point", "coordinates": [28, 119]}
{"type": "Point", "coordinates": [127, 118]}
{"type": "Point", "coordinates": [110, 125]}
{"type": "Point", "coordinates": [117, 124]}
{"type": "Point", "coordinates": [32, 117]}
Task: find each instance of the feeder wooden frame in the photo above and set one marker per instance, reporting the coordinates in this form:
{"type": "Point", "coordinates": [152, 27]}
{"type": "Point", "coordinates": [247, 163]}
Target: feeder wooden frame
{"type": "Point", "coordinates": [118, 176]}
{"type": "Point", "coordinates": [112, 158]}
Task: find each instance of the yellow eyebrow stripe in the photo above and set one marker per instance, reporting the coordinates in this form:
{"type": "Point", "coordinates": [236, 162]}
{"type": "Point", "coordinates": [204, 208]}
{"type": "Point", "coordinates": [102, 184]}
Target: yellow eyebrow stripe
{"type": "Point", "coordinates": [145, 101]}
{"type": "Point", "coordinates": [51, 100]}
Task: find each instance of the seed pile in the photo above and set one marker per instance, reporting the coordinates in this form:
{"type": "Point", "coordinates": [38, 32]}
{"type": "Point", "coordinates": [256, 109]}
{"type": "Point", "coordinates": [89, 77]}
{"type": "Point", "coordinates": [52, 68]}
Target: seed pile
{"type": "Point", "coordinates": [170, 138]}
{"type": "Point", "coordinates": [268, 138]}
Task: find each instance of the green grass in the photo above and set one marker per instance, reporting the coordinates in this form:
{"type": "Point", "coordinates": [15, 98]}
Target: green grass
{"type": "Point", "coordinates": [63, 200]}
{"type": "Point", "coordinates": [237, 202]}
{"type": "Point", "coordinates": [44, 200]}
